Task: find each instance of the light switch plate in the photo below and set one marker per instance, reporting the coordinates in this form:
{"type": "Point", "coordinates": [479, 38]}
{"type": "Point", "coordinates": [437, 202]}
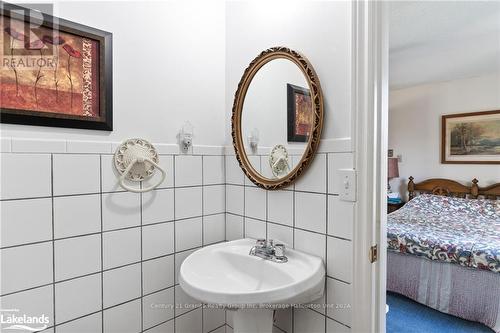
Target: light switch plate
{"type": "Point", "coordinates": [348, 184]}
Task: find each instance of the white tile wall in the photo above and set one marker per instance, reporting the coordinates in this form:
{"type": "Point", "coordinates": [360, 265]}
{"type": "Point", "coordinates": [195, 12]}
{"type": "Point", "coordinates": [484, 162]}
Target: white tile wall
{"type": "Point", "coordinates": [340, 259]}
{"type": "Point", "coordinates": [234, 227]}
{"type": "Point", "coordinates": [77, 215]}
{"type": "Point", "coordinates": [254, 228]}
{"type": "Point", "coordinates": [280, 233]}
{"type": "Point", "coordinates": [310, 211]}
{"type": "Point", "coordinates": [280, 207]}
{"type": "Point", "coordinates": [125, 318]}
{"type": "Point", "coordinates": [33, 302]}
{"type": "Point", "coordinates": [188, 202]}
{"type": "Point", "coordinates": [121, 247]}
{"type": "Point", "coordinates": [92, 323]}
{"type": "Point", "coordinates": [234, 175]}
{"type": "Point", "coordinates": [121, 284]}
{"type": "Point", "coordinates": [214, 228]}
{"type": "Point", "coordinates": [188, 170]}
{"type": "Point", "coordinates": [26, 267]}
{"type": "Point", "coordinates": [188, 234]}
{"type": "Point", "coordinates": [167, 327]}
{"type": "Point", "coordinates": [158, 206]}
{"type": "Point", "coordinates": [340, 217]}
{"type": "Point", "coordinates": [118, 253]}
{"type": "Point", "coordinates": [314, 180]}
{"type": "Point", "coordinates": [213, 170]}
{"type": "Point", "coordinates": [76, 174]}
{"type": "Point", "coordinates": [235, 199]}
{"type": "Point", "coordinates": [310, 242]}
{"type": "Point", "coordinates": [308, 321]}
{"type": "Point", "coordinates": [214, 199]}
{"type": "Point", "coordinates": [25, 221]}
{"type": "Point", "coordinates": [255, 202]}
{"type": "Point", "coordinates": [158, 240]}
{"type": "Point", "coordinates": [191, 322]}
{"type": "Point", "coordinates": [339, 294]}
{"type": "Point", "coordinates": [77, 256]}
{"type": "Point", "coordinates": [121, 210]}
{"type": "Point", "coordinates": [25, 176]}
{"type": "Point", "coordinates": [158, 274]}
{"type": "Point", "coordinates": [158, 307]}
{"type": "Point", "coordinates": [77, 297]}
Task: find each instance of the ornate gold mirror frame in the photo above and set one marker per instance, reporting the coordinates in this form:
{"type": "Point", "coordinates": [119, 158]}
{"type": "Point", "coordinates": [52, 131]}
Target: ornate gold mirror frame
{"type": "Point", "coordinates": [239, 99]}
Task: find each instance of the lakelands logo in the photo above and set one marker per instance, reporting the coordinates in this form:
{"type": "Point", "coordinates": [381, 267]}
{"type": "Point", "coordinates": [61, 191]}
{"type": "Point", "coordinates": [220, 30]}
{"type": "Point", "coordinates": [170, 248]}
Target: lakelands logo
{"type": "Point", "coordinates": [10, 319]}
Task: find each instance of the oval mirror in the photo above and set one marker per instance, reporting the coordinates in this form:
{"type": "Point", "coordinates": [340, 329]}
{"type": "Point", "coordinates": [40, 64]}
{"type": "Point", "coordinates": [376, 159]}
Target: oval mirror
{"type": "Point", "coordinates": [277, 117]}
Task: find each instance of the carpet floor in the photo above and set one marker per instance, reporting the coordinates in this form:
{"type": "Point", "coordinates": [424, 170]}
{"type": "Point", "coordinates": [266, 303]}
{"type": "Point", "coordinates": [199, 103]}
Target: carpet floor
{"type": "Point", "coordinates": [408, 316]}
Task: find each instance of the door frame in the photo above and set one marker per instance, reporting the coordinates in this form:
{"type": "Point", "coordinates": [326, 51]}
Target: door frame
{"type": "Point", "coordinates": [371, 57]}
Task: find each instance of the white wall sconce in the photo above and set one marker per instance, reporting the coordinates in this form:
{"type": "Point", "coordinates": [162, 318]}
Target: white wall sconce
{"type": "Point", "coordinates": [253, 140]}
{"type": "Point", "coordinates": [186, 137]}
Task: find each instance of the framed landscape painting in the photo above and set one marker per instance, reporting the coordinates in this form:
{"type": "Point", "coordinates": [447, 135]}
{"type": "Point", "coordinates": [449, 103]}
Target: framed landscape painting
{"type": "Point", "coordinates": [471, 138]}
{"type": "Point", "coordinates": [299, 113]}
{"type": "Point", "coordinates": [54, 72]}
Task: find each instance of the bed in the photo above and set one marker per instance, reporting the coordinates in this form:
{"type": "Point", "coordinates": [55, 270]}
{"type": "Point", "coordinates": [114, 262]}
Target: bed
{"type": "Point", "coordinates": [444, 249]}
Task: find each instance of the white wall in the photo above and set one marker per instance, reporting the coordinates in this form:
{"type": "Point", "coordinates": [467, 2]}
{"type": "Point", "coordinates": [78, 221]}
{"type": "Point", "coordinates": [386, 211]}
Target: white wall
{"type": "Point", "coordinates": [168, 67]}
{"type": "Point", "coordinates": [309, 215]}
{"type": "Point", "coordinates": [321, 30]}
{"type": "Point", "coordinates": [415, 127]}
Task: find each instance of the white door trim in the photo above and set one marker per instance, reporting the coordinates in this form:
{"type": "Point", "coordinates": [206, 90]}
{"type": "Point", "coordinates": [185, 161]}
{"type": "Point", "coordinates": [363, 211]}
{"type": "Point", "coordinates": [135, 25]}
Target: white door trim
{"type": "Point", "coordinates": [370, 105]}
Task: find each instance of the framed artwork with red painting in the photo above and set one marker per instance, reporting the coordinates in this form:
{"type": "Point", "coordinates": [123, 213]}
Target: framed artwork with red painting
{"type": "Point", "coordinates": [54, 72]}
{"type": "Point", "coordinates": [299, 113]}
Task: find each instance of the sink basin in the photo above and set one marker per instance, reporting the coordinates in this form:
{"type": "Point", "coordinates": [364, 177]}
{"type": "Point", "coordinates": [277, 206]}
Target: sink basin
{"type": "Point", "coordinates": [225, 274]}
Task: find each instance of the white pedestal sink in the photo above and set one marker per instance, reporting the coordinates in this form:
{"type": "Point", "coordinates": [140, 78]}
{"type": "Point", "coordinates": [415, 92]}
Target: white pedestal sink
{"type": "Point", "coordinates": [225, 274]}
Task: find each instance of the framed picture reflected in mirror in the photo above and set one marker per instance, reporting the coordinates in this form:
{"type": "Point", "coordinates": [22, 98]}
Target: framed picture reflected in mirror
{"type": "Point", "coordinates": [299, 113]}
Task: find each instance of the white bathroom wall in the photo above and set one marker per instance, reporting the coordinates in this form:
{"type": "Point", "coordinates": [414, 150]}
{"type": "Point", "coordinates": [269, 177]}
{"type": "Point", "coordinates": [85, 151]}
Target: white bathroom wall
{"type": "Point", "coordinates": [76, 247]}
{"type": "Point", "coordinates": [321, 30]}
{"type": "Point", "coordinates": [415, 128]}
{"type": "Point", "coordinates": [168, 67]}
{"type": "Point", "coordinates": [93, 258]}
{"type": "Point", "coordinates": [107, 258]}
{"type": "Point", "coordinates": [308, 215]}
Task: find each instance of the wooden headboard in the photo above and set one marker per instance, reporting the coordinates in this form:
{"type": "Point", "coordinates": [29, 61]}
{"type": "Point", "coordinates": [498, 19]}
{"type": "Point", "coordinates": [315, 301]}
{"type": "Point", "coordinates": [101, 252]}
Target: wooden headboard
{"type": "Point", "coordinates": [448, 187]}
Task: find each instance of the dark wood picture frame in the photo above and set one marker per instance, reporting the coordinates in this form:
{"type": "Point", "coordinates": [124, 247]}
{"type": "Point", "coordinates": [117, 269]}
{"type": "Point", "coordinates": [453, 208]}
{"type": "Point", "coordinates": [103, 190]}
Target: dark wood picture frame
{"type": "Point", "coordinates": [444, 120]}
{"type": "Point", "coordinates": [38, 118]}
{"type": "Point", "coordinates": [291, 91]}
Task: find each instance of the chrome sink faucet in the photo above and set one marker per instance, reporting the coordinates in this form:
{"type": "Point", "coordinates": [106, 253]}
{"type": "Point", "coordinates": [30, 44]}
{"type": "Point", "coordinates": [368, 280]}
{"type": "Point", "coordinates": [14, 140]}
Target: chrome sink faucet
{"type": "Point", "coordinates": [266, 249]}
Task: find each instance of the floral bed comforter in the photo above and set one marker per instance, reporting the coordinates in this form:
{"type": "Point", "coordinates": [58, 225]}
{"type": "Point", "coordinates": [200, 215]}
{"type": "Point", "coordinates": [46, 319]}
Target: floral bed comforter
{"type": "Point", "coordinates": [454, 230]}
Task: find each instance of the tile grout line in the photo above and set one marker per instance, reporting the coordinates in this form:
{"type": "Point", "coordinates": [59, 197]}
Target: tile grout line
{"type": "Point", "coordinates": [142, 256]}
{"type": "Point", "coordinates": [326, 243]}
{"type": "Point", "coordinates": [107, 231]}
{"type": "Point", "coordinates": [102, 244]}
{"type": "Point", "coordinates": [53, 242]}
{"type": "Point", "coordinates": [202, 223]}
{"type": "Point", "coordinates": [174, 162]}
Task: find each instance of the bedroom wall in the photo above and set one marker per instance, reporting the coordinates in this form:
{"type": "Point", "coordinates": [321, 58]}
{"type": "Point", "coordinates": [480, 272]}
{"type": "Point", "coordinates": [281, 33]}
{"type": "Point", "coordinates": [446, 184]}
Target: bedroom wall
{"type": "Point", "coordinates": [415, 127]}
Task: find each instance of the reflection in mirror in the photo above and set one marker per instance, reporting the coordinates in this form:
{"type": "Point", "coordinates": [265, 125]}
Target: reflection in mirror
{"type": "Point", "coordinates": [277, 118]}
